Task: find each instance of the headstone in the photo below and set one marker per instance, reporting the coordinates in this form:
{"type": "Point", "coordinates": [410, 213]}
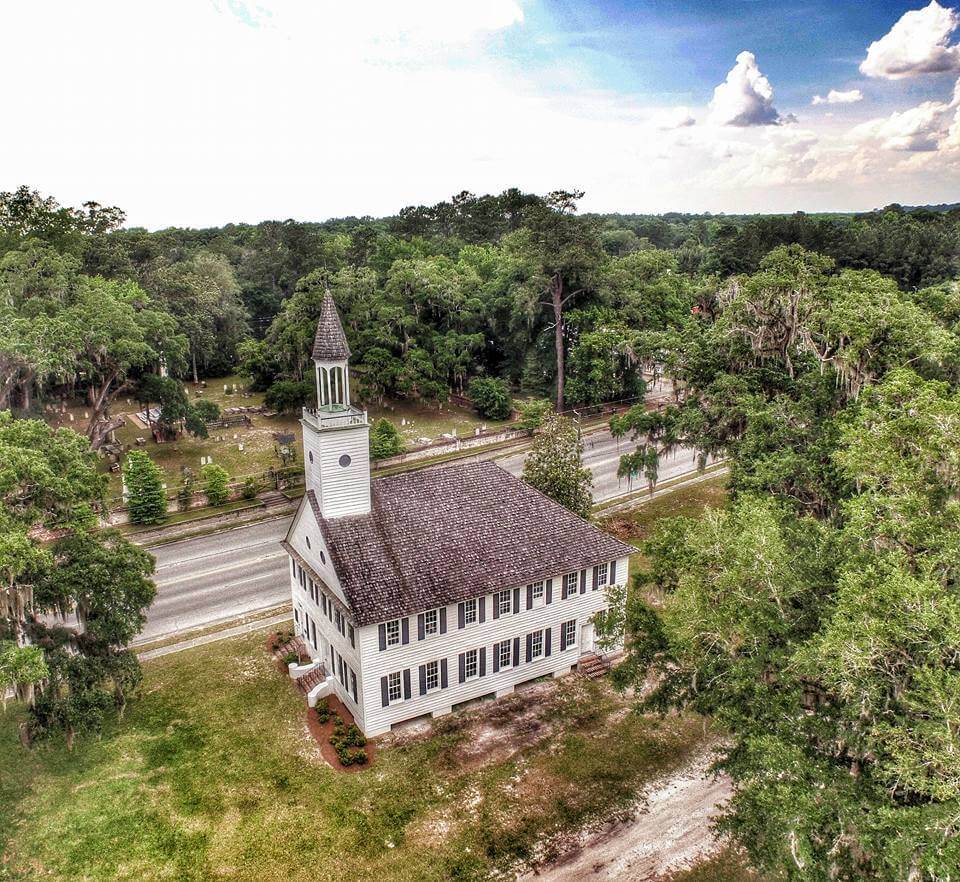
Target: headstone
{"type": "Point", "coordinates": [225, 387]}
{"type": "Point", "coordinates": [71, 417]}
{"type": "Point", "coordinates": [403, 421]}
{"type": "Point", "coordinates": [240, 447]}
{"type": "Point", "coordinates": [235, 436]}
{"type": "Point", "coordinates": [86, 415]}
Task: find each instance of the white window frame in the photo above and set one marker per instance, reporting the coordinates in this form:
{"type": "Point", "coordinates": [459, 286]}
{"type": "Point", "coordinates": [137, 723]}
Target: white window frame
{"type": "Point", "coordinates": [538, 591]}
{"type": "Point", "coordinates": [470, 612]}
{"type": "Point", "coordinates": [475, 654]}
{"type": "Point", "coordinates": [572, 587]}
{"type": "Point", "coordinates": [431, 626]}
{"type": "Point", "coordinates": [603, 575]}
{"type": "Point", "coordinates": [508, 646]}
{"type": "Point", "coordinates": [569, 639]}
{"type": "Point", "coordinates": [432, 675]}
{"type": "Point", "coordinates": [393, 636]}
{"type": "Point", "coordinates": [505, 610]}
{"type": "Point", "coordinates": [390, 687]}
{"type": "Point", "coordinates": [534, 654]}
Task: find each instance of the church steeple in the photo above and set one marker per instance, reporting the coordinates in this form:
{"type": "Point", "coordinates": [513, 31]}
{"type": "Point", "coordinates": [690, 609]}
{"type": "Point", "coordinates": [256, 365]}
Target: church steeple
{"type": "Point", "coordinates": [335, 434]}
{"type": "Point", "coordinates": [331, 355]}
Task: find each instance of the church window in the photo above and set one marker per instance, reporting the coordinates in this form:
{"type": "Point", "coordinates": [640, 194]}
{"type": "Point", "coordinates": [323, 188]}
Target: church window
{"type": "Point", "coordinates": [431, 622]}
{"type": "Point", "coordinates": [394, 686]}
{"type": "Point", "coordinates": [393, 632]}
{"type": "Point", "coordinates": [345, 460]}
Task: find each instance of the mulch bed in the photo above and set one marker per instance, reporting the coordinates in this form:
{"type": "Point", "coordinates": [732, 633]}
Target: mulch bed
{"type": "Point", "coordinates": [321, 732]}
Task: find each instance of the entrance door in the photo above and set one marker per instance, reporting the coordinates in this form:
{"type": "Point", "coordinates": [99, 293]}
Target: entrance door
{"type": "Point", "coordinates": [586, 638]}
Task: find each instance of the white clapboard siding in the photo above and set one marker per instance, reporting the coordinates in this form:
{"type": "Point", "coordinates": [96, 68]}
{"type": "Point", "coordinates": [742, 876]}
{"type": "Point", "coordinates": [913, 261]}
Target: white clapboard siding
{"type": "Point", "coordinates": [340, 490]}
{"type": "Point", "coordinates": [304, 530]}
{"type": "Point", "coordinates": [328, 635]}
{"type": "Point", "coordinates": [376, 663]}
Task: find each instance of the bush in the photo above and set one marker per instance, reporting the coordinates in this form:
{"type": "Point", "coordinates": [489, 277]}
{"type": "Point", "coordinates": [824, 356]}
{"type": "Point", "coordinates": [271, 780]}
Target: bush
{"type": "Point", "coordinates": [147, 500]}
{"type": "Point", "coordinates": [288, 396]}
{"type": "Point", "coordinates": [207, 410]}
{"type": "Point", "coordinates": [352, 756]}
{"type": "Point", "coordinates": [491, 398]}
{"type": "Point", "coordinates": [385, 440]}
{"type": "Point", "coordinates": [323, 710]}
{"type": "Point", "coordinates": [185, 492]}
{"type": "Point", "coordinates": [291, 658]}
{"type": "Point", "coordinates": [216, 484]}
{"type": "Point", "coordinates": [251, 487]}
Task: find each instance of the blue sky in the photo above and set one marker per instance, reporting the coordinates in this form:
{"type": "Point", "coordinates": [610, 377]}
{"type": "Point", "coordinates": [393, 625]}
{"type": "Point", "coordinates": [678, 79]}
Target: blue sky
{"type": "Point", "coordinates": [196, 112]}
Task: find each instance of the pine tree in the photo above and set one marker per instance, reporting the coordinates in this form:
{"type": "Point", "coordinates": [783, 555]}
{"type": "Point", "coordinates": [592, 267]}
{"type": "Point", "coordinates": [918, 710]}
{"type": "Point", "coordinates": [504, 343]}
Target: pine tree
{"type": "Point", "coordinates": [555, 466]}
{"type": "Point", "coordinates": [147, 501]}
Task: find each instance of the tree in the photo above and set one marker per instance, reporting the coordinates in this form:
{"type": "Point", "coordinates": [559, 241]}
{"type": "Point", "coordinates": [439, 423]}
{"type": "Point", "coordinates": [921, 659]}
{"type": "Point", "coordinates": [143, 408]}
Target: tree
{"type": "Point", "coordinates": [216, 483]}
{"type": "Point", "coordinates": [288, 396]}
{"type": "Point", "coordinates": [53, 563]}
{"type": "Point", "coordinates": [532, 414]}
{"type": "Point", "coordinates": [562, 253]}
{"type": "Point", "coordinates": [554, 465]}
{"type": "Point", "coordinates": [147, 500]}
{"type": "Point", "coordinates": [385, 440]}
{"type": "Point", "coordinates": [491, 398]}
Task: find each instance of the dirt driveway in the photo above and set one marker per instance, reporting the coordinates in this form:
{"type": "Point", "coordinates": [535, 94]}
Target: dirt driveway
{"type": "Point", "coordinates": [669, 832]}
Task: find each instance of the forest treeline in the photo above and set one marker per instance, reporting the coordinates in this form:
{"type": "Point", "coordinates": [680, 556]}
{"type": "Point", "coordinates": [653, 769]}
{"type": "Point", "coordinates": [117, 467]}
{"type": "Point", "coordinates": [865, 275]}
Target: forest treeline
{"type": "Point", "coordinates": [513, 285]}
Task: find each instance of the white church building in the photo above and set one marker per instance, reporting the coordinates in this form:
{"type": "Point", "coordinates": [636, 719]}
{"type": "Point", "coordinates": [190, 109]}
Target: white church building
{"type": "Point", "coordinates": [418, 592]}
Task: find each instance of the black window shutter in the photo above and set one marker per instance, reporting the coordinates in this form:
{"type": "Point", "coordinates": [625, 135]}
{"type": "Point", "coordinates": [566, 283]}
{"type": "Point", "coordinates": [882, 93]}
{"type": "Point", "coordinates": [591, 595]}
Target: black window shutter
{"type": "Point", "coordinates": [563, 588]}
{"type": "Point", "coordinates": [384, 694]}
{"type": "Point", "coordinates": [462, 662]}
{"type": "Point", "coordinates": [443, 673]}
{"type": "Point", "coordinates": [382, 631]}
{"type": "Point", "coordinates": [483, 661]}
{"type": "Point", "coordinates": [516, 600]}
{"type": "Point", "coordinates": [549, 592]}
{"type": "Point", "coordinates": [529, 596]}
{"type": "Point", "coordinates": [563, 638]}
{"type": "Point", "coordinates": [516, 651]}
{"type": "Point", "coordinates": [481, 609]}
{"type": "Point", "coordinates": [423, 679]}
{"type": "Point", "coordinates": [443, 620]}
{"type": "Point", "coordinates": [583, 581]}
{"type": "Point", "coordinates": [548, 641]}
{"type": "Point", "coordinates": [596, 578]}
{"type": "Point", "coordinates": [405, 630]}
{"type": "Point", "coordinates": [613, 572]}
{"type": "Point", "coordinates": [496, 657]}
{"type": "Point", "coordinates": [529, 647]}
{"type": "Point", "coordinates": [496, 605]}
{"type": "Point", "coordinates": [460, 616]}
{"type": "Point", "coordinates": [406, 682]}
{"type": "Point", "coordinates": [420, 627]}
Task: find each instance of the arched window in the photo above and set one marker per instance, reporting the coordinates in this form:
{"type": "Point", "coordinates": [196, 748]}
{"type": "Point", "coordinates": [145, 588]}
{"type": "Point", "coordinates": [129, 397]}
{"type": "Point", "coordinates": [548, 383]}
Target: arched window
{"type": "Point", "coordinates": [336, 385]}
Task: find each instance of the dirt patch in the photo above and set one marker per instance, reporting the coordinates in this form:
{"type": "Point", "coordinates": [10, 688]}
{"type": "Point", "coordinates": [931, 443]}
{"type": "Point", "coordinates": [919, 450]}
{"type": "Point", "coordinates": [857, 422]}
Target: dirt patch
{"type": "Point", "coordinates": [495, 731]}
{"type": "Point", "coordinates": [668, 830]}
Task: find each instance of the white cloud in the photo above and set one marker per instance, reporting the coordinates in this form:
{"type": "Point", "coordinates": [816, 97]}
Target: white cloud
{"type": "Point", "coordinates": [745, 98]}
{"type": "Point", "coordinates": [835, 97]}
{"type": "Point", "coordinates": [919, 43]}
{"type": "Point", "coordinates": [925, 127]}
{"type": "Point", "coordinates": [674, 118]}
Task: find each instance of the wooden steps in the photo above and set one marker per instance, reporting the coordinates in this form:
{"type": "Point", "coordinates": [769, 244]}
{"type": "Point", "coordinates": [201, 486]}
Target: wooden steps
{"type": "Point", "coordinates": [307, 682]}
{"type": "Point", "coordinates": [273, 499]}
{"type": "Point", "coordinates": [592, 666]}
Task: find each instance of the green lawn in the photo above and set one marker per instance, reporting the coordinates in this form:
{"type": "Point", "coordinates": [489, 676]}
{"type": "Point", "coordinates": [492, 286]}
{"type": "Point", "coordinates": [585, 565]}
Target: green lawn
{"type": "Point", "coordinates": [212, 775]}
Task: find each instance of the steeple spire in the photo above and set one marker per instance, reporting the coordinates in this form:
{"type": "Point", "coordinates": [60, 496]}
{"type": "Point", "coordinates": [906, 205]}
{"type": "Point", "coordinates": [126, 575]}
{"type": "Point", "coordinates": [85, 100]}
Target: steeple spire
{"type": "Point", "coordinates": [330, 343]}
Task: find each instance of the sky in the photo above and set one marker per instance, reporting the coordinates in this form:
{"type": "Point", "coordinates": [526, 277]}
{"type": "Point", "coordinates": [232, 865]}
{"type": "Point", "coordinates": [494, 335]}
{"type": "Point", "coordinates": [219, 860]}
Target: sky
{"type": "Point", "coordinates": [204, 112]}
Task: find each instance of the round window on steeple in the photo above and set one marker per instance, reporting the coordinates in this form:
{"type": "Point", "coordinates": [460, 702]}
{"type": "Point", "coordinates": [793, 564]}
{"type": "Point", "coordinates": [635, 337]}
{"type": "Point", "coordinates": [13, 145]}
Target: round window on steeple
{"type": "Point", "coordinates": [345, 460]}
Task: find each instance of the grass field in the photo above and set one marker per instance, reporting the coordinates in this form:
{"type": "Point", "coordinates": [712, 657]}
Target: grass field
{"type": "Point", "coordinates": [212, 775]}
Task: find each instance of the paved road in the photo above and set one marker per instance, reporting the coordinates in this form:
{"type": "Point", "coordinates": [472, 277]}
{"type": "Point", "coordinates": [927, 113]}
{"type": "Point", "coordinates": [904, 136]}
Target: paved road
{"type": "Point", "coordinates": [232, 573]}
{"type": "Point", "coordinates": [218, 577]}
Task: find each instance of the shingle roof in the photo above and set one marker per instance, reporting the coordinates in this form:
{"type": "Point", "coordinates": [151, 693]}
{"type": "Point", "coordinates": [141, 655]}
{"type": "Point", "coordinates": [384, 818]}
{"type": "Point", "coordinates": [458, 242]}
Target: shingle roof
{"type": "Point", "coordinates": [447, 534]}
{"type": "Point", "coordinates": [330, 343]}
